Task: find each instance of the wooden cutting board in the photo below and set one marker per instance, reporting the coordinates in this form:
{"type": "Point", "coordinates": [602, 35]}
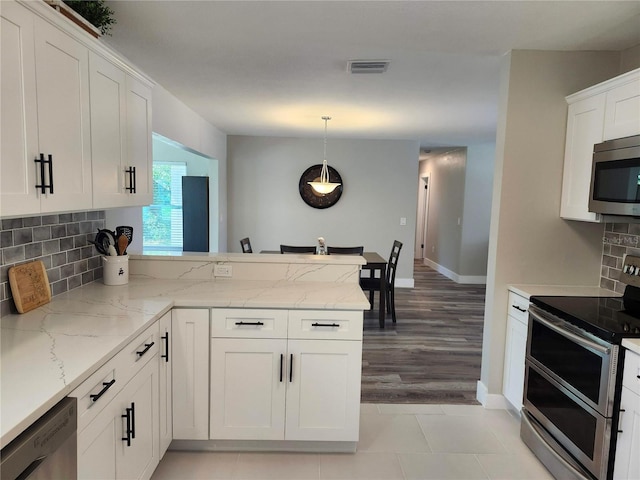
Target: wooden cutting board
{"type": "Point", "coordinates": [29, 286]}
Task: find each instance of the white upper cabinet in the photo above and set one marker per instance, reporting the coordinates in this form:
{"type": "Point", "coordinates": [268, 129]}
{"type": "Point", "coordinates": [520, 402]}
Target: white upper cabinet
{"type": "Point", "coordinates": [45, 111]}
{"type": "Point", "coordinates": [120, 136]}
{"type": "Point", "coordinates": [71, 102]}
{"type": "Point", "coordinates": [605, 111]}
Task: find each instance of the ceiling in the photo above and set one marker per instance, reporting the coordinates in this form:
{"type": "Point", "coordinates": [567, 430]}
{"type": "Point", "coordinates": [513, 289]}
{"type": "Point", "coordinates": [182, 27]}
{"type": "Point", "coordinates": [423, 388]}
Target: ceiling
{"type": "Point", "coordinates": [274, 68]}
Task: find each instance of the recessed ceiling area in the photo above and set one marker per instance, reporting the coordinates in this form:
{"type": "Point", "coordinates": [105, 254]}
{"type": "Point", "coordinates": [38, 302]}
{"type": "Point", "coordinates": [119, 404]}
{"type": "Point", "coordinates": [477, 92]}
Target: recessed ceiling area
{"type": "Point", "coordinates": [274, 68]}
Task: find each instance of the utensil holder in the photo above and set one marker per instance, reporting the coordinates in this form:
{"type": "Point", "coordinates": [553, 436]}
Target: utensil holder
{"type": "Point", "coordinates": [115, 270]}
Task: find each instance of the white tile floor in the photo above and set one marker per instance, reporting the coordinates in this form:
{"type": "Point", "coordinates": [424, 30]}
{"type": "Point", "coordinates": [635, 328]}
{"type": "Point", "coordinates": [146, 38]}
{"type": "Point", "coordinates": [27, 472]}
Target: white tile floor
{"type": "Point", "coordinates": [403, 442]}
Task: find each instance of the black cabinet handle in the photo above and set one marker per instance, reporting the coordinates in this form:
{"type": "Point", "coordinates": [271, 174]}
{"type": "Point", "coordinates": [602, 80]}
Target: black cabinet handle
{"type": "Point", "coordinates": [43, 185]}
{"type": "Point", "coordinates": [281, 362]}
{"type": "Point", "coordinates": [127, 415]}
{"type": "Point", "coordinates": [519, 308]}
{"type": "Point", "coordinates": [291, 368]}
{"type": "Point", "coordinates": [250, 323]}
{"type": "Point", "coordinates": [133, 420]}
{"type": "Point", "coordinates": [132, 179]}
{"type": "Point", "coordinates": [324, 324]}
{"type": "Point", "coordinates": [147, 346]}
{"type": "Point", "coordinates": [165, 337]}
{"type": "Point", "coordinates": [105, 386]}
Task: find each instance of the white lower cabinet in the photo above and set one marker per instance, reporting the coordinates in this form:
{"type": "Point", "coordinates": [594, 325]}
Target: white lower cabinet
{"type": "Point", "coordinates": [165, 384]}
{"type": "Point", "coordinates": [266, 385]}
{"type": "Point", "coordinates": [627, 462]}
{"type": "Point", "coordinates": [190, 373]}
{"type": "Point", "coordinates": [515, 350]}
{"type": "Point", "coordinates": [118, 414]}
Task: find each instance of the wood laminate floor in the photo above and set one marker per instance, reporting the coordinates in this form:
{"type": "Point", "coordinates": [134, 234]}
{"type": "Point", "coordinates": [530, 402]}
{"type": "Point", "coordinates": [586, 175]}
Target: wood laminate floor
{"type": "Point", "coordinates": [432, 354]}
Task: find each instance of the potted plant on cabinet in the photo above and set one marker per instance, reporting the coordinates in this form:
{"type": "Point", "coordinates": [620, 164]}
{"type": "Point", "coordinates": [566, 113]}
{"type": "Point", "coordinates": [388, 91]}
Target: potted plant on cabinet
{"type": "Point", "coordinates": [91, 15]}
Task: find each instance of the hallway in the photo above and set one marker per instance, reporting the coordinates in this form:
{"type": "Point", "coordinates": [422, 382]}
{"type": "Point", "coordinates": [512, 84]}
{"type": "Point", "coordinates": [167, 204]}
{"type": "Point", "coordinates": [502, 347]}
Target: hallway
{"type": "Point", "coordinates": [433, 353]}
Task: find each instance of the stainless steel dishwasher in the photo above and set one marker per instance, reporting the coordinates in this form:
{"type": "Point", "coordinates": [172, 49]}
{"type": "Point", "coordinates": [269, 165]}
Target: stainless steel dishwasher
{"type": "Point", "coordinates": [45, 450]}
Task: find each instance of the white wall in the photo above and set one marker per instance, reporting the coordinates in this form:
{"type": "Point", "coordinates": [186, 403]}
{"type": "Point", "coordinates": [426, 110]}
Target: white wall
{"type": "Point", "coordinates": [379, 188]}
{"type": "Point", "coordinates": [478, 188]}
{"type": "Point", "coordinates": [529, 243]}
{"type": "Point", "coordinates": [174, 120]}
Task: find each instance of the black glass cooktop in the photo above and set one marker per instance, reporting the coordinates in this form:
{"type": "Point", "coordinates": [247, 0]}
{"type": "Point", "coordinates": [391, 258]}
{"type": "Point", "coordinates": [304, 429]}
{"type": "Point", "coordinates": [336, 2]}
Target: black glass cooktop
{"type": "Point", "coordinates": [605, 317]}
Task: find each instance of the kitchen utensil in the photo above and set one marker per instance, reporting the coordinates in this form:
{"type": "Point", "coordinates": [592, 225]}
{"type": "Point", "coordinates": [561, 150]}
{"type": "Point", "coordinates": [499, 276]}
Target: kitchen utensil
{"type": "Point", "coordinates": [122, 244]}
{"type": "Point", "coordinates": [127, 232]}
{"type": "Point", "coordinates": [103, 239]}
{"type": "Point", "coordinates": [112, 251]}
{"type": "Point", "coordinates": [29, 286]}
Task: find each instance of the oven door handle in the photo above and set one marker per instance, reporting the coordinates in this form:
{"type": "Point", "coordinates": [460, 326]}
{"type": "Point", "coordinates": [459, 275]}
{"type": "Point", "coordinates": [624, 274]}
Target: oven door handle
{"type": "Point", "coordinates": [570, 335]}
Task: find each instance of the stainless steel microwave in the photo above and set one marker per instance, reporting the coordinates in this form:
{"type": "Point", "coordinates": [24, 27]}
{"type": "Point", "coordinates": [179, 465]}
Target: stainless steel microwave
{"type": "Point", "coordinates": [615, 177]}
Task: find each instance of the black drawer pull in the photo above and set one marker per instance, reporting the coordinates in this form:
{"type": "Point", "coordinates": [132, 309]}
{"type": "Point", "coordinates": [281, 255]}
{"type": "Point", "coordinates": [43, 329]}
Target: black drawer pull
{"type": "Point", "coordinates": [147, 346]}
{"type": "Point", "coordinates": [519, 308]}
{"type": "Point", "coordinates": [165, 355]}
{"type": "Point", "coordinates": [105, 386]}
{"type": "Point", "coordinates": [324, 324]}
{"type": "Point", "coordinates": [133, 420]}
{"type": "Point", "coordinates": [250, 323]}
{"type": "Point", "coordinates": [281, 362]}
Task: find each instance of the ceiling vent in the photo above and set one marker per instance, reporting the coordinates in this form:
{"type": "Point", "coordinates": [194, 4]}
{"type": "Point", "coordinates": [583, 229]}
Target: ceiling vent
{"type": "Point", "coordinates": [368, 66]}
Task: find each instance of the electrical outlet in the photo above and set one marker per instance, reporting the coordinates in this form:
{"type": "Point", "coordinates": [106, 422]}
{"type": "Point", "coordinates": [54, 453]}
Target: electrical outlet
{"type": "Point", "coordinates": [222, 271]}
{"type": "Point", "coordinates": [403, 220]}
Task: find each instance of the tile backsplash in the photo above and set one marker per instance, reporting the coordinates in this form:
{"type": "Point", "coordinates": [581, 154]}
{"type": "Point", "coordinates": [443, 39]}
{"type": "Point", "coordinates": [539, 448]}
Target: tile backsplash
{"type": "Point", "coordinates": [61, 241]}
{"type": "Point", "coordinates": [619, 239]}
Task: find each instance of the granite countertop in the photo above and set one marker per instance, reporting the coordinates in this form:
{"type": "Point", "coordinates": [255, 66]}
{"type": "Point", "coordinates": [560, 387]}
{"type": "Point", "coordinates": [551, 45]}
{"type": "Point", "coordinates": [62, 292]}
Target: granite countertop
{"type": "Point", "coordinates": [632, 344]}
{"type": "Point", "coordinates": [48, 352]}
{"type": "Point", "coordinates": [529, 291]}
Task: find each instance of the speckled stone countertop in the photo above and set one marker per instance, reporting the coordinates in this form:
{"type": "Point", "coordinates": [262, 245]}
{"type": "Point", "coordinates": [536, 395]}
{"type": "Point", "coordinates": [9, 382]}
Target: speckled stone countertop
{"type": "Point", "coordinates": [46, 353]}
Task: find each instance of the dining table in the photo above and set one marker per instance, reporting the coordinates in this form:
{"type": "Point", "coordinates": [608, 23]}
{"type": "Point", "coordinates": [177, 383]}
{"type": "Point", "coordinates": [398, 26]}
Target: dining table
{"type": "Point", "coordinates": [377, 268]}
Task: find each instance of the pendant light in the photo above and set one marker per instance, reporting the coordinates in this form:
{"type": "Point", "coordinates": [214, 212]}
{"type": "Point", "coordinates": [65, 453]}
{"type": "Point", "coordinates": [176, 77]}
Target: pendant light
{"type": "Point", "coordinates": [324, 186]}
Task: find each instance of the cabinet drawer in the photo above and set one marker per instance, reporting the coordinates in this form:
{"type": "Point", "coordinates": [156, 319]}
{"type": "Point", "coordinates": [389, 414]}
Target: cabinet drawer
{"type": "Point", "coordinates": [325, 324]}
{"type": "Point", "coordinates": [518, 307]}
{"type": "Point", "coordinates": [248, 323]}
{"type": "Point", "coordinates": [99, 389]}
{"type": "Point", "coordinates": [631, 374]}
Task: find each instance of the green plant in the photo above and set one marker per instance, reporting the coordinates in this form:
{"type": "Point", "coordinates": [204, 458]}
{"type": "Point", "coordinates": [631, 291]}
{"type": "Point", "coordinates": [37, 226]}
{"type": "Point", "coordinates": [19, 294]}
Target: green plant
{"type": "Point", "coordinates": [95, 12]}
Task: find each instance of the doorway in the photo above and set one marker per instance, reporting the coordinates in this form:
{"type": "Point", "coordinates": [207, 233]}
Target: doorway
{"type": "Point", "coordinates": [422, 222]}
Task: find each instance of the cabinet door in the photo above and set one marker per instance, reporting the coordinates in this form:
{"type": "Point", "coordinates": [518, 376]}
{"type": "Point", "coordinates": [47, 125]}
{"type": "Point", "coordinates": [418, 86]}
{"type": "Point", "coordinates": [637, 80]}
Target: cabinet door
{"type": "Point", "coordinates": [18, 124]}
{"type": "Point", "coordinates": [108, 118]}
{"type": "Point", "coordinates": [584, 128]}
{"type": "Point", "coordinates": [166, 422]}
{"type": "Point", "coordinates": [97, 445]}
{"type": "Point", "coordinates": [139, 131]}
{"type": "Point", "coordinates": [323, 390]}
{"type": "Point", "coordinates": [622, 112]}
{"type": "Point", "coordinates": [139, 459]}
{"type": "Point", "coordinates": [515, 351]}
{"type": "Point", "coordinates": [62, 83]}
{"type": "Point", "coordinates": [627, 464]}
{"type": "Point", "coordinates": [248, 384]}
{"type": "Point", "coordinates": [190, 372]}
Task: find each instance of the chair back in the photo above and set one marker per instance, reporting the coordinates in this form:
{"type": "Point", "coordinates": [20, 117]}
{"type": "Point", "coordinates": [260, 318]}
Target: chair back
{"type": "Point", "coordinates": [297, 249]}
{"type": "Point", "coordinates": [393, 262]}
{"type": "Point", "coordinates": [345, 250]}
{"type": "Point", "coordinates": [245, 243]}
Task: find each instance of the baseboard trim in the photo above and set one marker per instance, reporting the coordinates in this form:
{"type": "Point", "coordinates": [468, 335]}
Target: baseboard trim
{"type": "Point", "coordinates": [464, 279]}
{"type": "Point", "coordinates": [491, 401]}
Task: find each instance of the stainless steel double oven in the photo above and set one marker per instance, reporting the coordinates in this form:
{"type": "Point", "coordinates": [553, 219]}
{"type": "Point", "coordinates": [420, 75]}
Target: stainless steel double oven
{"type": "Point", "coordinates": [570, 391]}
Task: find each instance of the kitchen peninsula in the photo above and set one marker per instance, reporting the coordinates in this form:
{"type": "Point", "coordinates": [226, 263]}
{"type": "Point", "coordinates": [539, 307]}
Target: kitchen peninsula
{"type": "Point", "coordinates": [310, 306]}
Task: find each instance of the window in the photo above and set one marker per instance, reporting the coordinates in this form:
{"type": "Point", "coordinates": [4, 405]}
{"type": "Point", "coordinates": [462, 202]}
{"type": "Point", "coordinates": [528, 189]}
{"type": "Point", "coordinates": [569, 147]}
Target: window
{"type": "Point", "coordinates": [162, 219]}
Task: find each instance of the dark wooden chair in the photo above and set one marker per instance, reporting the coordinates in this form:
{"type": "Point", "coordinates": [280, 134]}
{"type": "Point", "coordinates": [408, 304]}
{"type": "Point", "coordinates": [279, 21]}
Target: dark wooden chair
{"type": "Point", "coordinates": [245, 243]}
{"type": "Point", "coordinates": [297, 249]}
{"type": "Point", "coordinates": [372, 285]}
{"type": "Point", "coordinates": [345, 250]}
